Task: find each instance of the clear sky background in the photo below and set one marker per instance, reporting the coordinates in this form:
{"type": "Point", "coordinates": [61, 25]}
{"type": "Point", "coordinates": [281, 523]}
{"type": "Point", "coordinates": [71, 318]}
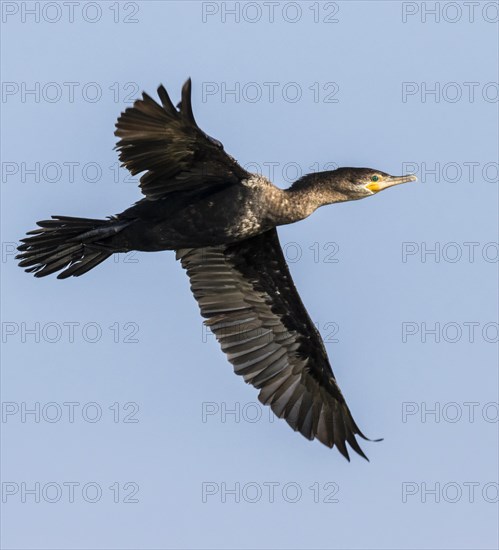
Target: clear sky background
{"type": "Point", "coordinates": [408, 331]}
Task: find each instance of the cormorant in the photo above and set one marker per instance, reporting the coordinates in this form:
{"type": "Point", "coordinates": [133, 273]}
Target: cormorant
{"type": "Point", "coordinates": [221, 220]}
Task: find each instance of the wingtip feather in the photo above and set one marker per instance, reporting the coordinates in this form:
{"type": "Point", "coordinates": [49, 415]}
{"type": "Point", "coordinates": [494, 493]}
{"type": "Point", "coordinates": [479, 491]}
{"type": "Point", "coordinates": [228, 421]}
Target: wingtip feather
{"type": "Point", "coordinates": [185, 104]}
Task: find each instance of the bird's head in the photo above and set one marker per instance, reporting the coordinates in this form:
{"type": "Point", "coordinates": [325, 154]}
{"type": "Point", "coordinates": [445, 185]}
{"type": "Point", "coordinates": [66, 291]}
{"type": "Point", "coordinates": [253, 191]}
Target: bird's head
{"type": "Point", "coordinates": [357, 183]}
{"type": "Point", "coordinates": [340, 185]}
{"type": "Point", "coordinates": [344, 184]}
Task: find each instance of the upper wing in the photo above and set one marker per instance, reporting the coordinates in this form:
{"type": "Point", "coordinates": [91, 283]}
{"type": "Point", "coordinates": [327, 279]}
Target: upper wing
{"type": "Point", "coordinates": [246, 293]}
{"type": "Point", "coordinates": [169, 145]}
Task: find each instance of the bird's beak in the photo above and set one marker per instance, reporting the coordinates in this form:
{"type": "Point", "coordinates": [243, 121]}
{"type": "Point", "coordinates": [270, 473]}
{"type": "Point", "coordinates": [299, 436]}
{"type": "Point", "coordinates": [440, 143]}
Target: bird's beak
{"type": "Point", "coordinates": [389, 181]}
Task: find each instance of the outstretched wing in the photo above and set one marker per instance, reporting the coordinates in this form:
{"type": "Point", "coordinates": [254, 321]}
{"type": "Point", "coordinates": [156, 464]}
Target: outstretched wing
{"type": "Point", "coordinates": [169, 146]}
{"type": "Point", "coordinates": [246, 293]}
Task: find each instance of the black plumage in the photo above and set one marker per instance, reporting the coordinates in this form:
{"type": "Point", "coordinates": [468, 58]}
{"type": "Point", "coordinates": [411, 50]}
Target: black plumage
{"type": "Point", "coordinates": [221, 220]}
{"type": "Point", "coordinates": [254, 310]}
{"type": "Point", "coordinates": [169, 146]}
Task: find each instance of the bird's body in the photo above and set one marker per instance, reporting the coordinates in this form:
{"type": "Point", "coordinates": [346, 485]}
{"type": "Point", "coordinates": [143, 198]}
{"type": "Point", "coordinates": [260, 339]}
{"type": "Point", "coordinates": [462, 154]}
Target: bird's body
{"type": "Point", "coordinates": [219, 215]}
{"type": "Point", "coordinates": [221, 221]}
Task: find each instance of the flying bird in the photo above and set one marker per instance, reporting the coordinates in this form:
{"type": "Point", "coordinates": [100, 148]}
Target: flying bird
{"type": "Point", "coordinates": [221, 220]}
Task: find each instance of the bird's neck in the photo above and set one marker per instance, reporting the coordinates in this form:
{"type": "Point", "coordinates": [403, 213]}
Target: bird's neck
{"type": "Point", "coordinates": [306, 195]}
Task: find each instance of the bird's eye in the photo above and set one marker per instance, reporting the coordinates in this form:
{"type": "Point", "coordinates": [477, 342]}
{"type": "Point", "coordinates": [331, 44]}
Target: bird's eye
{"type": "Point", "coordinates": [374, 178]}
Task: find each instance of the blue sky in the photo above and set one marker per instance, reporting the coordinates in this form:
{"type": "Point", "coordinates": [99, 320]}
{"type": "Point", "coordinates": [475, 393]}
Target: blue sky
{"type": "Point", "coordinates": [141, 435]}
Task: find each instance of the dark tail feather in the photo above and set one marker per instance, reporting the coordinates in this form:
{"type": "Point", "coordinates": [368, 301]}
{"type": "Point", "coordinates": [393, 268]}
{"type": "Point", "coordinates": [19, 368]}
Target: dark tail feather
{"type": "Point", "coordinates": [70, 244]}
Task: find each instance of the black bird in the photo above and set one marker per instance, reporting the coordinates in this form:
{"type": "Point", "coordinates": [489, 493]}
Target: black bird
{"type": "Point", "coordinates": [221, 220]}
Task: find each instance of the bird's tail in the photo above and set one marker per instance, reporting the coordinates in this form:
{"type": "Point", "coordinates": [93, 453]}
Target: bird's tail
{"type": "Point", "coordinates": [75, 245]}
